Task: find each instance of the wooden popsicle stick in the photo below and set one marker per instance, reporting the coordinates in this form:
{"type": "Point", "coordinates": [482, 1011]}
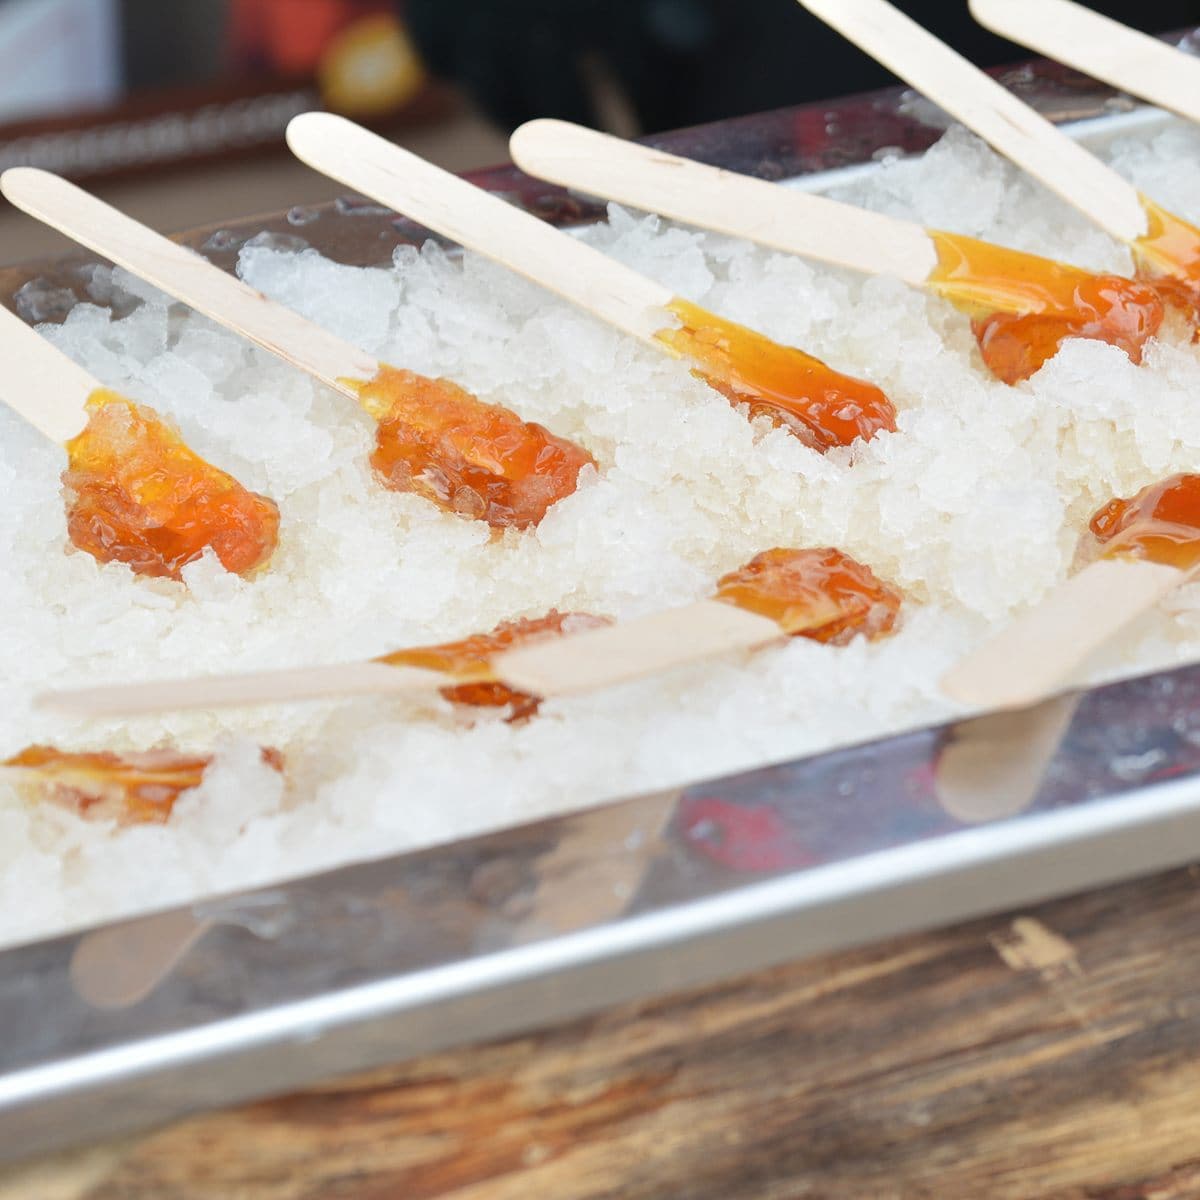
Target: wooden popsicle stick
{"type": "Point", "coordinates": [119, 966]}
{"type": "Point", "coordinates": [1099, 46]}
{"type": "Point", "coordinates": [785, 219]}
{"type": "Point", "coordinates": [615, 654]}
{"type": "Point", "coordinates": [480, 221]}
{"type": "Point", "coordinates": [41, 383]}
{"type": "Point", "coordinates": [569, 664]}
{"type": "Point", "coordinates": [188, 277]}
{"type": "Point", "coordinates": [993, 112]}
{"type": "Point", "coordinates": [994, 766]}
{"type": "Point", "coordinates": [596, 865]}
{"type": "Point", "coordinates": [234, 691]}
{"type": "Point", "coordinates": [1039, 653]}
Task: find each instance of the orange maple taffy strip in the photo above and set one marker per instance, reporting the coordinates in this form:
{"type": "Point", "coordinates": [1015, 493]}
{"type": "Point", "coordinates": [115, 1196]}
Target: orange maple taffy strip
{"type": "Point", "coordinates": [479, 460]}
{"type": "Point", "coordinates": [128, 788]}
{"type": "Point", "coordinates": [137, 494]}
{"type": "Point", "coordinates": [823, 407]}
{"type": "Point", "coordinates": [820, 594]}
{"type": "Point", "coordinates": [1168, 257]}
{"type": "Point", "coordinates": [1160, 524]}
{"type": "Point", "coordinates": [1024, 307]}
{"type": "Point", "coordinates": [470, 659]}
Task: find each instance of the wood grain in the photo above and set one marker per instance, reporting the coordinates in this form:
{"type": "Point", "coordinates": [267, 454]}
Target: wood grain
{"type": "Point", "coordinates": [1045, 1055]}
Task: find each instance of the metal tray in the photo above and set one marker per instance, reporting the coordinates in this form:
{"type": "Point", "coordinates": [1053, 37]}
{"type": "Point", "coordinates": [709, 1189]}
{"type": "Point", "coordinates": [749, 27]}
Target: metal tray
{"type": "Point", "coordinates": [137, 1022]}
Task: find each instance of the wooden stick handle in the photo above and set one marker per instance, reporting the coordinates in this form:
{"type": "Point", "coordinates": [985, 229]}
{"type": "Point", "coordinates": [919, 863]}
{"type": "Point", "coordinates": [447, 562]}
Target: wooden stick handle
{"type": "Point", "coordinates": [994, 766]}
{"type": "Point", "coordinates": [635, 649]}
{"type": "Point", "coordinates": [1100, 47]}
{"type": "Point", "coordinates": [119, 965]}
{"type": "Point", "coordinates": [40, 382]}
{"type": "Point", "coordinates": [233, 691]}
{"type": "Point", "coordinates": [1038, 654]}
{"type": "Point", "coordinates": [980, 103]}
{"type": "Point", "coordinates": [786, 219]}
{"type": "Point", "coordinates": [187, 276]}
{"type": "Point", "coordinates": [483, 222]}
{"type": "Point", "coordinates": [574, 663]}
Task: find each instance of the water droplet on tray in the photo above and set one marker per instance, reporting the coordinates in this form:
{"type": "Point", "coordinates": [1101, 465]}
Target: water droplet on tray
{"type": "Point", "coordinates": [1134, 767]}
{"type": "Point", "coordinates": [223, 239]}
{"type": "Point", "coordinates": [1187, 726]}
{"type": "Point", "coordinates": [357, 206]}
{"type": "Point", "coordinates": [302, 216]}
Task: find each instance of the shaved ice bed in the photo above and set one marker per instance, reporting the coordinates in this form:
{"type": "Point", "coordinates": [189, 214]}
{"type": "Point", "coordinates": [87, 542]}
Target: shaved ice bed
{"type": "Point", "coordinates": [973, 508]}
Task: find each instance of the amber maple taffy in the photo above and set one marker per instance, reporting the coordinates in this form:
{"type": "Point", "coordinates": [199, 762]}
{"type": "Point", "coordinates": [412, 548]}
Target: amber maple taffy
{"type": "Point", "coordinates": [470, 660]}
{"type": "Point", "coordinates": [1022, 307]}
{"type": "Point", "coordinates": [134, 491]}
{"type": "Point", "coordinates": [139, 788]}
{"type": "Point", "coordinates": [1166, 249]}
{"type": "Point", "coordinates": [822, 406]}
{"type": "Point", "coordinates": [1144, 548]}
{"type": "Point", "coordinates": [433, 438]}
{"type": "Point", "coordinates": [821, 594]}
{"type": "Point", "coordinates": [1100, 47]}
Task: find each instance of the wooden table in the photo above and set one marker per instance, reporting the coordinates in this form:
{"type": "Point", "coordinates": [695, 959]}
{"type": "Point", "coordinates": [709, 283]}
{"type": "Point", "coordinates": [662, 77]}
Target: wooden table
{"type": "Point", "coordinates": [1044, 1055]}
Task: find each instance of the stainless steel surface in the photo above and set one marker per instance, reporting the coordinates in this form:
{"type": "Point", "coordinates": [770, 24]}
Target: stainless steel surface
{"type": "Point", "coordinates": [145, 1020]}
{"type": "Point", "coordinates": [274, 988]}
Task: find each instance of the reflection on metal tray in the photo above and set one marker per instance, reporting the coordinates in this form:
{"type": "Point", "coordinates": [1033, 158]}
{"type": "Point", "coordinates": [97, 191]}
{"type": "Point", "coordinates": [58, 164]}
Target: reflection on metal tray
{"type": "Point", "coordinates": [139, 1021]}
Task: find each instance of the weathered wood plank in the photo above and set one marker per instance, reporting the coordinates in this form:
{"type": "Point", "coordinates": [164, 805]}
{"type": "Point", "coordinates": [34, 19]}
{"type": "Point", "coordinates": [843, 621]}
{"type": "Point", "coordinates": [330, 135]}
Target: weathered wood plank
{"type": "Point", "coordinates": [1048, 1055]}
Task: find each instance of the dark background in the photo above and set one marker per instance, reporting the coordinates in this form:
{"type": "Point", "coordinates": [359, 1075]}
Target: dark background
{"type": "Point", "coordinates": [681, 62]}
{"type": "Point", "coordinates": [469, 71]}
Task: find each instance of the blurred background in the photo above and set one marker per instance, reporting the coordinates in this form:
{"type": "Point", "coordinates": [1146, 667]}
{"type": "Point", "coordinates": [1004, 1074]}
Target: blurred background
{"type": "Point", "coordinates": [175, 109]}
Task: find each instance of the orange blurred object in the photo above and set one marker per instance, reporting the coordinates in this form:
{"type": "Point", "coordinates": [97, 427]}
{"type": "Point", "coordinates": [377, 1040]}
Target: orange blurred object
{"type": "Point", "coordinates": [1161, 523]}
{"type": "Point", "coordinates": [821, 406]}
{"type": "Point", "coordinates": [137, 494]}
{"type": "Point", "coordinates": [475, 459]}
{"type": "Point", "coordinates": [358, 50]}
{"type": "Point", "coordinates": [820, 594]}
{"type": "Point", "coordinates": [135, 789]}
{"type": "Point", "coordinates": [370, 69]}
{"type": "Point", "coordinates": [290, 36]}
